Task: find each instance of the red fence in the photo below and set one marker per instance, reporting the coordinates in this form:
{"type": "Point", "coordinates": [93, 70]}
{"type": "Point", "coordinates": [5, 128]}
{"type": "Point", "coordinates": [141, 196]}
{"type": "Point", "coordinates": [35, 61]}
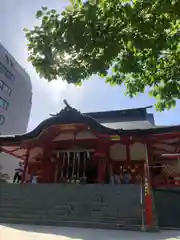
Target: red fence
{"type": "Point", "coordinates": [167, 184]}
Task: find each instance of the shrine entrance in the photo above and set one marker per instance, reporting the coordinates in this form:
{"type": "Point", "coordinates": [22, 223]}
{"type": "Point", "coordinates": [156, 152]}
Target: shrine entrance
{"type": "Point", "coordinates": [76, 166]}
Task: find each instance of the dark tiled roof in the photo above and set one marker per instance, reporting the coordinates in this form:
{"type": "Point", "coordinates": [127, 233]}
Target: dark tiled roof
{"type": "Point", "coordinates": [69, 115]}
{"type": "Point", "coordinates": [133, 114]}
{"type": "Point", "coordinates": [130, 125]}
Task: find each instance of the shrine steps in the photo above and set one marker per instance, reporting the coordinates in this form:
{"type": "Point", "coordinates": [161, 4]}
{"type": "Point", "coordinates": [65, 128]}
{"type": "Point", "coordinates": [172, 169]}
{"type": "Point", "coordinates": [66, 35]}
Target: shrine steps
{"type": "Point", "coordinates": [95, 206]}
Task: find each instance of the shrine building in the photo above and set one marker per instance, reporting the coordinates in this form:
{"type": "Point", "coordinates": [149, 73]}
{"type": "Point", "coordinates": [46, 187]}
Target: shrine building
{"type": "Point", "coordinates": [63, 146]}
{"type": "Point", "coordinates": [71, 147]}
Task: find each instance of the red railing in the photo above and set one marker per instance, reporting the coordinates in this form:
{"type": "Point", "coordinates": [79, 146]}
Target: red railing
{"type": "Point", "coordinates": [167, 184]}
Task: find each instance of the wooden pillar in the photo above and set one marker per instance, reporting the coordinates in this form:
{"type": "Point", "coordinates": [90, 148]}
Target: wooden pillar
{"type": "Point", "coordinates": [56, 172]}
{"type": "Point", "coordinates": [58, 167]}
{"type": "Point", "coordinates": [24, 175]}
{"type": "Point", "coordinates": [101, 169]}
{"type": "Point", "coordinates": [44, 170]}
{"type": "Point", "coordinates": [148, 192]}
{"type": "Point", "coordinates": [47, 164]}
{"type": "Point", "coordinates": [102, 147]}
{"type": "Point", "coordinates": [128, 157]}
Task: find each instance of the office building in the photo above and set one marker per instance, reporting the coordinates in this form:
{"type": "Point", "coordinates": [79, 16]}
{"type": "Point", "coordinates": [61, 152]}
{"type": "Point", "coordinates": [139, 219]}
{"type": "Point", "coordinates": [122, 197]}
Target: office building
{"type": "Point", "coordinates": [15, 102]}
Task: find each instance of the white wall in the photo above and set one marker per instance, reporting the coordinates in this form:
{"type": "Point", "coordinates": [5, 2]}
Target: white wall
{"type": "Point", "coordinates": [19, 105]}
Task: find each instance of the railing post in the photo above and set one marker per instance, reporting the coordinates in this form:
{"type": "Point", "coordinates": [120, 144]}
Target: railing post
{"type": "Point", "coordinates": [148, 193]}
{"type": "Point", "coordinates": [142, 205]}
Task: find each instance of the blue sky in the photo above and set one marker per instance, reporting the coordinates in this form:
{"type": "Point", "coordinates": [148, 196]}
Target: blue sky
{"type": "Point", "coordinates": [94, 95]}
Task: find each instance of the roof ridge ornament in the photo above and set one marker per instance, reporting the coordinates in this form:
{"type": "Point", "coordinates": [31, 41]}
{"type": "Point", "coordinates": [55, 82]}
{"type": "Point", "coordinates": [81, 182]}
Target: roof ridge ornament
{"type": "Point", "coordinates": [67, 109]}
{"type": "Point", "coordinates": [150, 106]}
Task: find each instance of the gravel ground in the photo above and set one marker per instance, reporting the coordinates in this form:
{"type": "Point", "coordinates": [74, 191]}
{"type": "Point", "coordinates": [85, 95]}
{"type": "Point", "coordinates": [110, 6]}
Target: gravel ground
{"type": "Point", "coordinates": [26, 232]}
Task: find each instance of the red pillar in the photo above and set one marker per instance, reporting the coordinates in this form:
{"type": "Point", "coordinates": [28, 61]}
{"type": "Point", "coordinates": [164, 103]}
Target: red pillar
{"type": "Point", "coordinates": [101, 158]}
{"type": "Point", "coordinates": [101, 169]}
{"type": "Point", "coordinates": [46, 165]}
{"type": "Point", "coordinates": [128, 157]}
{"type": "Point", "coordinates": [148, 193]}
{"type": "Point", "coordinates": [24, 175]}
{"type": "Point", "coordinates": [44, 171]}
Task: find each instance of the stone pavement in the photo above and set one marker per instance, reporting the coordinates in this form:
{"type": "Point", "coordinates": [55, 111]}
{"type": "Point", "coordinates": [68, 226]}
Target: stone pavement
{"type": "Point", "coordinates": [26, 232]}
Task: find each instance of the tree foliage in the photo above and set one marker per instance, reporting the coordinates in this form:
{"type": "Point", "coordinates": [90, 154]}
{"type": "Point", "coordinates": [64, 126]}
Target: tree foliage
{"type": "Point", "coordinates": [136, 43]}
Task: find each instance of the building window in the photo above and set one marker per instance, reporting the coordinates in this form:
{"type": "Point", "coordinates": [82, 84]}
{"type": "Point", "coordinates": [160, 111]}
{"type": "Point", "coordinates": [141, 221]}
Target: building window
{"type": "Point", "coordinates": [2, 118]}
{"type": "Point", "coordinates": [9, 61]}
{"type": "Point", "coordinates": [1, 84]}
{"type": "Point", "coordinates": [6, 72]}
{"type": "Point", "coordinates": [5, 88]}
{"type": "Point", "coordinates": [3, 103]}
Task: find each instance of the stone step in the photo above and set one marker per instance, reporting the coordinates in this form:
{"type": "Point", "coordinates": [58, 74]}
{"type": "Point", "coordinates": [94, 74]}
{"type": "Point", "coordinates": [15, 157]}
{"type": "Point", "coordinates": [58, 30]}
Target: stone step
{"type": "Point", "coordinates": [59, 216]}
{"type": "Point", "coordinates": [68, 223]}
{"type": "Point", "coordinates": [63, 193]}
{"type": "Point", "coordinates": [72, 209]}
{"type": "Point", "coordinates": [65, 198]}
{"type": "Point", "coordinates": [42, 217]}
{"type": "Point", "coordinates": [59, 213]}
{"type": "Point", "coordinates": [59, 199]}
{"type": "Point", "coordinates": [94, 205]}
{"type": "Point", "coordinates": [62, 213]}
{"type": "Point", "coordinates": [78, 207]}
{"type": "Point", "coordinates": [72, 206]}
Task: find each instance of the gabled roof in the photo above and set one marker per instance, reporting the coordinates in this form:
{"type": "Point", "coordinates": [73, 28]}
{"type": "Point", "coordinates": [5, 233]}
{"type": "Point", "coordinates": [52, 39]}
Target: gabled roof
{"type": "Point", "coordinates": [69, 115]}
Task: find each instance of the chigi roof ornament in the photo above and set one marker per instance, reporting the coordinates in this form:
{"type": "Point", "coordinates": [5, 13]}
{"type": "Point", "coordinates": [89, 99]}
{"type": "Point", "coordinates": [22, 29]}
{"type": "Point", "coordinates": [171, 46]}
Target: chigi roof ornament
{"type": "Point", "coordinates": [67, 109]}
{"type": "Point", "coordinates": [150, 106]}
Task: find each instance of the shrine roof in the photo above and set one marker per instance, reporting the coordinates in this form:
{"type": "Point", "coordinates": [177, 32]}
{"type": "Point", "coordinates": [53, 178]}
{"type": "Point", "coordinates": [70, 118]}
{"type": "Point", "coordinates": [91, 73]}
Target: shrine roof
{"type": "Point", "coordinates": [69, 115]}
{"type": "Point", "coordinates": [124, 115]}
{"type": "Point", "coordinates": [130, 125]}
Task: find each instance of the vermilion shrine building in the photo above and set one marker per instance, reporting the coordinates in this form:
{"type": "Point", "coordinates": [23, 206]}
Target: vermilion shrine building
{"type": "Point", "coordinates": [74, 147]}
{"type": "Point", "coordinates": [71, 141]}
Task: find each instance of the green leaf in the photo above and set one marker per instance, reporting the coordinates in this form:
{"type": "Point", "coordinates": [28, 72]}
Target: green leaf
{"type": "Point", "coordinates": [44, 8]}
{"type": "Point", "coordinates": [25, 30]}
{"type": "Point", "coordinates": [134, 43]}
{"type": "Point", "coordinates": [39, 14]}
